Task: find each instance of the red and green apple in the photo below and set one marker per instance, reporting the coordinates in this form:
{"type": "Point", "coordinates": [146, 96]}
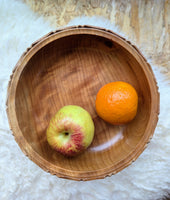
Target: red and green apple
{"type": "Point", "coordinates": [71, 130]}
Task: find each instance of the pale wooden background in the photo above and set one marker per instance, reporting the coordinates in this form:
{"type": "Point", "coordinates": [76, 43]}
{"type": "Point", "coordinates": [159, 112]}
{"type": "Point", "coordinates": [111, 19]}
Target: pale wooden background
{"type": "Point", "coordinates": [145, 22]}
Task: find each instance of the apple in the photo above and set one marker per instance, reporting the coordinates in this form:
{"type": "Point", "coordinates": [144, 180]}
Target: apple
{"type": "Point", "coordinates": [71, 130]}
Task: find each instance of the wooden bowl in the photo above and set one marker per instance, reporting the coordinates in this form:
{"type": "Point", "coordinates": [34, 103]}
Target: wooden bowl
{"type": "Point", "coordinates": [69, 66]}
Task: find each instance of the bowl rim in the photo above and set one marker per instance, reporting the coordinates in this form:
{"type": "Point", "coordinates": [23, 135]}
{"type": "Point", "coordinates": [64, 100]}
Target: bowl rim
{"type": "Point", "coordinates": [12, 117]}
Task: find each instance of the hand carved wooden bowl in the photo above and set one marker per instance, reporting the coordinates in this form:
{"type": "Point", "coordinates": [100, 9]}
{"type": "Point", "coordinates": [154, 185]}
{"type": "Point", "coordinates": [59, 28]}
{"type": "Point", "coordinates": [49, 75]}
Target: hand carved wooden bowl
{"type": "Point", "coordinates": [69, 66]}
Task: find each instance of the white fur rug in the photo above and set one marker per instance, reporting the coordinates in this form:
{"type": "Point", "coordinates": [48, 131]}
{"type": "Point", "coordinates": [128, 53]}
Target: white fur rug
{"type": "Point", "coordinates": [146, 179]}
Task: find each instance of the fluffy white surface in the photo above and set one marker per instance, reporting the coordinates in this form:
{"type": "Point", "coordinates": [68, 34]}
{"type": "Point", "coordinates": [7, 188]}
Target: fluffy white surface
{"type": "Point", "coordinates": [148, 178]}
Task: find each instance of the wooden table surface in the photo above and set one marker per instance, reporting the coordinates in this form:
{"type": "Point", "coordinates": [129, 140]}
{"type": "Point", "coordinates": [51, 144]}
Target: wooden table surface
{"type": "Point", "coordinates": [145, 22]}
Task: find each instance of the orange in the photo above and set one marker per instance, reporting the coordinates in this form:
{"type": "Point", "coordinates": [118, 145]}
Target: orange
{"type": "Point", "coordinates": [117, 102]}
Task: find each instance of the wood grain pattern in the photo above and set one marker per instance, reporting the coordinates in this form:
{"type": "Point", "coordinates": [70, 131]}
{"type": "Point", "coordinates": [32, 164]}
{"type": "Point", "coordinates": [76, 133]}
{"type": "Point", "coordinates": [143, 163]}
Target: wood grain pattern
{"type": "Point", "coordinates": [68, 67]}
{"type": "Point", "coordinates": [145, 22]}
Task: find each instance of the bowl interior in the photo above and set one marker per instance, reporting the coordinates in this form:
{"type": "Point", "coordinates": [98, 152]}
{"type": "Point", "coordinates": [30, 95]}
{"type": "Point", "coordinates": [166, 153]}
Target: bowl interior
{"type": "Point", "coordinates": [71, 70]}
